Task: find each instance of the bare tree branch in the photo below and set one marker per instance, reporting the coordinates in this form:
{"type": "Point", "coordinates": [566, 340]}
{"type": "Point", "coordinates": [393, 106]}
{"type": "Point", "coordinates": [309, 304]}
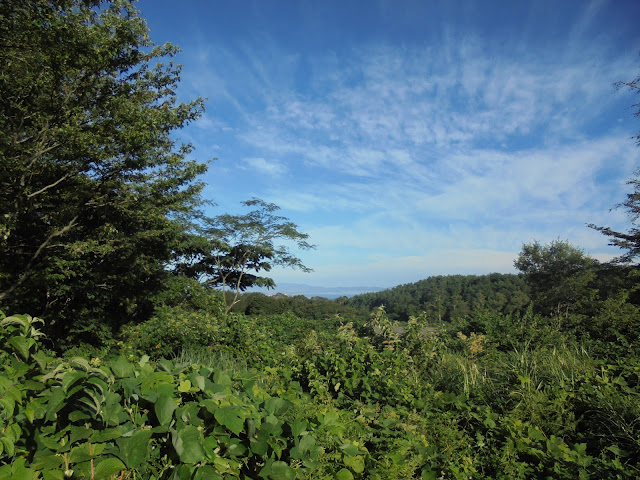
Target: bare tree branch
{"type": "Point", "coordinates": [44, 189]}
{"type": "Point", "coordinates": [29, 267]}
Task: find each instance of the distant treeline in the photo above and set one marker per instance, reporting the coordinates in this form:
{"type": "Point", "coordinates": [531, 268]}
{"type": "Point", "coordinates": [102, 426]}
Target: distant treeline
{"type": "Point", "coordinates": [443, 298]}
{"type": "Point", "coordinates": [315, 308]}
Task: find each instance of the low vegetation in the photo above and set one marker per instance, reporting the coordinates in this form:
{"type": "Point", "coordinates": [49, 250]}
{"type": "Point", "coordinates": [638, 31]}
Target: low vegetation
{"type": "Point", "coordinates": [135, 365]}
{"type": "Point", "coordinates": [489, 396]}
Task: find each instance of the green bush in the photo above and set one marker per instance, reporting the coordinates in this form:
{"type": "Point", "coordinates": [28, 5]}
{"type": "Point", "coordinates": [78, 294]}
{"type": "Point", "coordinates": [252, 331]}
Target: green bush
{"type": "Point", "coordinates": [165, 334]}
{"type": "Point", "coordinates": [118, 419]}
{"type": "Point", "coordinates": [501, 398]}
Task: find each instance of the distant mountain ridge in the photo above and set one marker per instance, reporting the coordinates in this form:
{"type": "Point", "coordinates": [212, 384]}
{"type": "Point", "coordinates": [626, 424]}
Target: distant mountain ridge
{"type": "Point", "coordinates": [293, 289]}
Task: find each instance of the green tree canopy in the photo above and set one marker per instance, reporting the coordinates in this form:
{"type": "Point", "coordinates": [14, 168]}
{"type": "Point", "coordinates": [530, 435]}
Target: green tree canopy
{"type": "Point", "coordinates": [233, 249]}
{"type": "Point", "coordinates": [447, 298]}
{"type": "Point", "coordinates": [94, 188]}
{"type": "Point", "coordinates": [559, 275]}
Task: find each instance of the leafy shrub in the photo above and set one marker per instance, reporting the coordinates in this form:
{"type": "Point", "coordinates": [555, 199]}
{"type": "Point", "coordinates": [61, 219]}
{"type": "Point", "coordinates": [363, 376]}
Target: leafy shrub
{"type": "Point", "coordinates": [508, 401]}
{"type": "Point", "coordinates": [116, 418]}
{"type": "Point", "coordinates": [165, 334]}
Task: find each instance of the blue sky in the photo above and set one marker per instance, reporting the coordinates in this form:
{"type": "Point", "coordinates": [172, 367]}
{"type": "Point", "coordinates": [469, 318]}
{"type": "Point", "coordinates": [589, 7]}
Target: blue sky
{"type": "Point", "coordinates": [413, 138]}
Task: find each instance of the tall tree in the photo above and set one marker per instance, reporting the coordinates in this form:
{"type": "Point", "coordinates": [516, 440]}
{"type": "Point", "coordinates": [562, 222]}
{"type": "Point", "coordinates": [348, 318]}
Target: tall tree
{"type": "Point", "coordinates": [234, 249]}
{"type": "Point", "coordinates": [94, 189]}
{"type": "Point", "coordinates": [560, 276]}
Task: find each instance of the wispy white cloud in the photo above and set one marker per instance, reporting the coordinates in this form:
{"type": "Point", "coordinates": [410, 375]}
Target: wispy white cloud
{"type": "Point", "coordinates": [411, 100]}
{"type": "Point", "coordinates": [447, 155]}
{"type": "Point", "coordinates": [261, 165]}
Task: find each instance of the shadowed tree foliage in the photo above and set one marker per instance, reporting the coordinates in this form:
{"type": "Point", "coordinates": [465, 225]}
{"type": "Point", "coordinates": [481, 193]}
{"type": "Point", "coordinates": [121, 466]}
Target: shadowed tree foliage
{"type": "Point", "coordinates": [560, 276]}
{"type": "Point", "coordinates": [628, 241]}
{"type": "Point", "coordinates": [445, 298]}
{"type": "Point", "coordinates": [94, 189]}
{"type": "Point", "coordinates": [232, 249]}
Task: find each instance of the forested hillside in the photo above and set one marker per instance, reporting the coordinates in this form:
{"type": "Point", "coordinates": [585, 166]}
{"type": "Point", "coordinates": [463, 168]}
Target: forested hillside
{"type": "Point", "coordinates": [127, 350]}
{"type": "Point", "coordinates": [315, 308]}
{"type": "Point", "coordinates": [441, 298]}
{"type": "Point", "coordinates": [446, 298]}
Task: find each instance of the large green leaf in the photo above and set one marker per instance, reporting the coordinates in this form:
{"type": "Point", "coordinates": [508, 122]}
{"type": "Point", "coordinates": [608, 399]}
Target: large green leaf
{"type": "Point", "coordinates": [277, 470]}
{"type": "Point", "coordinates": [21, 345]}
{"type": "Point", "coordinates": [298, 426]}
{"type": "Point", "coordinates": [7, 446]}
{"type": "Point", "coordinates": [108, 467]}
{"type": "Point", "coordinates": [198, 381]}
{"type": "Point", "coordinates": [207, 472]}
{"type": "Point", "coordinates": [276, 406]}
{"type": "Point", "coordinates": [355, 463]}
{"type": "Point", "coordinates": [428, 474]}
{"type": "Point", "coordinates": [235, 448]}
{"type": "Point", "coordinates": [282, 471]}
{"type": "Point", "coordinates": [222, 378]}
{"type": "Point", "coordinates": [231, 417]}
{"type": "Point", "coordinates": [53, 474]}
{"type": "Point", "coordinates": [55, 402]}
{"type": "Point", "coordinates": [71, 377]}
{"type": "Point", "coordinates": [121, 367]}
{"type": "Point", "coordinates": [5, 472]}
{"type": "Point", "coordinates": [85, 452]}
{"type": "Point", "coordinates": [164, 408]}
{"type": "Point", "coordinates": [184, 386]}
{"type": "Point", "coordinates": [112, 412]}
{"type": "Point", "coordinates": [344, 474]}
{"type": "Point", "coordinates": [47, 462]}
{"type": "Point", "coordinates": [107, 434]}
{"type": "Point", "coordinates": [133, 450]}
{"type": "Point", "coordinates": [155, 382]}
{"type": "Point", "coordinates": [349, 449]}
{"type": "Point", "coordinates": [187, 440]}
{"type": "Point", "coordinates": [8, 404]}
{"type": "Point", "coordinates": [306, 448]}
{"type": "Point", "coordinates": [259, 445]}
{"type": "Point", "coordinates": [79, 433]}
{"type": "Point", "coordinates": [23, 320]}
{"type": "Point", "coordinates": [17, 471]}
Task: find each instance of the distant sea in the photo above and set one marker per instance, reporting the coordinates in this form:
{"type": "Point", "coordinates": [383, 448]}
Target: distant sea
{"type": "Point", "coordinates": [293, 289]}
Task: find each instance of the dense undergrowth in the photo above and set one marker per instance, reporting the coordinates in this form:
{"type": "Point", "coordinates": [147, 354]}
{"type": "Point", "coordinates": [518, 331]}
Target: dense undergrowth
{"type": "Point", "coordinates": [490, 396]}
{"type": "Point", "coordinates": [147, 372]}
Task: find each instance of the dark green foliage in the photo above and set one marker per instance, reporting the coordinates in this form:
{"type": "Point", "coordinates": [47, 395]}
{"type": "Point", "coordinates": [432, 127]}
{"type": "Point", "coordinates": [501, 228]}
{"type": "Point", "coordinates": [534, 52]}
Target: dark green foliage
{"type": "Point", "coordinates": [315, 308]}
{"type": "Point", "coordinates": [123, 419]}
{"type": "Point", "coordinates": [260, 304]}
{"type": "Point", "coordinates": [232, 249]}
{"type": "Point", "coordinates": [485, 396]}
{"type": "Point", "coordinates": [94, 187]}
{"type": "Point", "coordinates": [560, 276]}
{"type": "Point", "coordinates": [595, 303]}
{"type": "Point", "coordinates": [496, 376]}
{"type": "Point", "coordinates": [171, 329]}
{"type": "Point", "coordinates": [445, 298]}
{"type": "Point", "coordinates": [515, 401]}
{"type": "Point", "coordinates": [628, 241]}
{"type": "Point", "coordinates": [489, 396]}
